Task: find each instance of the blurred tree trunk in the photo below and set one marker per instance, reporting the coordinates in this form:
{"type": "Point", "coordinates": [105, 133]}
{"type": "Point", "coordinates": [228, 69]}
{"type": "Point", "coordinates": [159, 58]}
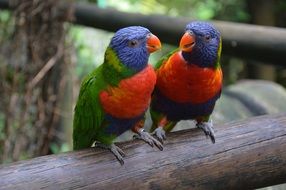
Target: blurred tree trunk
{"type": "Point", "coordinates": [35, 76]}
{"type": "Point", "coordinates": [263, 13]}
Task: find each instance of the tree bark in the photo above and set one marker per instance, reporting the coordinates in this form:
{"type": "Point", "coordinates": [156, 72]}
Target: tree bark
{"type": "Point", "coordinates": [34, 69]}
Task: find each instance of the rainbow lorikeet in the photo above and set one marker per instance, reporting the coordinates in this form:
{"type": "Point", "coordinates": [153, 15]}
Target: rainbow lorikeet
{"type": "Point", "coordinates": [189, 81]}
{"type": "Point", "coordinates": [114, 97]}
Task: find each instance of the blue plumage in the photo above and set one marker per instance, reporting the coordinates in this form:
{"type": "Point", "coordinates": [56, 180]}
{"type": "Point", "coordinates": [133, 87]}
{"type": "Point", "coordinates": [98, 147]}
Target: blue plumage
{"type": "Point", "coordinates": [181, 111]}
{"type": "Point", "coordinates": [118, 126]}
{"type": "Point", "coordinates": [207, 42]}
{"type": "Point", "coordinates": [123, 44]}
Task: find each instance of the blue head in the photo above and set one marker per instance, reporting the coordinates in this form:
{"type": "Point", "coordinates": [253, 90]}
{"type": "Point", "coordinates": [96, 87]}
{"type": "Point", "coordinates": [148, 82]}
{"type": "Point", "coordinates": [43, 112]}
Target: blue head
{"type": "Point", "coordinates": [200, 44]}
{"type": "Point", "coordinates": [133, 45]}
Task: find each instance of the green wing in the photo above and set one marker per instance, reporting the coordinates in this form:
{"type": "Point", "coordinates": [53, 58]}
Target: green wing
{"type": "Point", "coordinates": [164, 58]}
{"type": "Point", "coordinates": [89, 123]}
{"type": "Point", "coordinates": [89, 115]}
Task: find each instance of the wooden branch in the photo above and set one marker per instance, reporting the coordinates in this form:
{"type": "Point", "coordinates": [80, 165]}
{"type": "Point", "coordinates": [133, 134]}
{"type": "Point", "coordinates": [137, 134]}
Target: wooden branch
{"type": "Point", "coordinates": [241, 40]}
{"type": "Point", "coordinates": [248, 154]}
{"type": "Point", "coordinates": [260, 43]}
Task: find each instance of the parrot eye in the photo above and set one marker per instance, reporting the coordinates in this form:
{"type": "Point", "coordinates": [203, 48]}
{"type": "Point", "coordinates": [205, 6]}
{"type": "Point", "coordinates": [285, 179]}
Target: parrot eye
{"type": "Point", "coordinates": [132, 43]}
{"type": "Point", "coordinates": [190, 32]}
{"type": "Point", "coordinates": [207, 38]}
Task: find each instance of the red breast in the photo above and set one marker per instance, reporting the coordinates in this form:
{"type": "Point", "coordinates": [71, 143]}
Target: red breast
{"type": "Point", "coordinates": [132, 95]}
{"type": "Point", "coordinates": [188, 83]}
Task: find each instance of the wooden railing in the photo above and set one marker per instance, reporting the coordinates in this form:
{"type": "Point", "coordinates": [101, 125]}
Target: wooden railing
{"type": "Point", "coordinates": [247, 154]}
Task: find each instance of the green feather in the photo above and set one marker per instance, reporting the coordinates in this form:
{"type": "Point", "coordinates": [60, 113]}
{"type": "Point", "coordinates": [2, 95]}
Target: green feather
{"type": "Point", "coordinates": [88, 115]}
{"type": "Point", "coordinates": [217, 64]}
{"type": "Point", "coordinates": [156, 118]}
{"type": "Point", "coordinates": [113, 70]}
{"type": "Point", "coordinates": [89, 122]}
{"type": "Point", "coordinates": [165, 58]}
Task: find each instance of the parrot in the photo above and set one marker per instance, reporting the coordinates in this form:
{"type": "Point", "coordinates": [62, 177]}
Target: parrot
{"type": "Point", "coordinates": [114, 97]}
{"type": "Point", "coordinates": [189, 81]}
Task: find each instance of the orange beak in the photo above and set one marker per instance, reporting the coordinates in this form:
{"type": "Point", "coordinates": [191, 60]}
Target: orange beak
{"type": "Point", "coordinates": [153, 43]}
{"type": "Point", "coordinates": [187, 42]}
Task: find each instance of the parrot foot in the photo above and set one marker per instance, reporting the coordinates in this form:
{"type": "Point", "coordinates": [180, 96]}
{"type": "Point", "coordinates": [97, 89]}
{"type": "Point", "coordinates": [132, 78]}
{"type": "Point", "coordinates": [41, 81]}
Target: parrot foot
{"type": "Point", "coordinates": [160, 134]}
{"type": "Point", "coordinates": [207, 127]}
{"type": "Point", "coordinates": [115, 150]}
{"type": "Point", "coordinates": [145, 136]}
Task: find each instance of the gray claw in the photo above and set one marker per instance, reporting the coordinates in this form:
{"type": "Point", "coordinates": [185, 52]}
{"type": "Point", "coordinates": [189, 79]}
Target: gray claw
{"type": "Point", "coordinates": [145, 136]}
{"type": "Point", "coordinates": [207, 127]}
{"type": "Point", "coordinates": [160, 134]}
{"type": "Point", "coordinates": [116, 151]}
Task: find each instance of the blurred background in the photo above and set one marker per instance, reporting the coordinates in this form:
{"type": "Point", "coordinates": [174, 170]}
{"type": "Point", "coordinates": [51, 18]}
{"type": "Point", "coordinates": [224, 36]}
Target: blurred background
{"type": "Point", "coordinates": [43, 59]}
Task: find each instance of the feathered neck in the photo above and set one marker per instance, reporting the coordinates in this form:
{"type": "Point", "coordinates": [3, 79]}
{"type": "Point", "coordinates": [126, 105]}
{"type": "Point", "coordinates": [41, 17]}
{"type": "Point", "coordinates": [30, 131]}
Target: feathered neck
{"type": "Point", "coordinates": [113, 70]}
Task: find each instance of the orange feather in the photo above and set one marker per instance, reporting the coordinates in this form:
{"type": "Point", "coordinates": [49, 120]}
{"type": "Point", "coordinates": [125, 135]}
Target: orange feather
{"type": "Point", "coordinates": [188, 83]}
{"type": "Point", "coordinates": [131, 97]}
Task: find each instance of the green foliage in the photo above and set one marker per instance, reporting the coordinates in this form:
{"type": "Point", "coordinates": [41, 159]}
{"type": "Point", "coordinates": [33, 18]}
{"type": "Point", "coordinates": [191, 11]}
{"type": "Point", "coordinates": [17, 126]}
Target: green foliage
{"type": "Point", "coordinates": [232, 10]}
{"type": "Point", "coordinates": [83, 52]}
{"type": "Point", "coordinates": [90, 45]}
{"type": "Point", "coordinates": [6, 28]}
{"type": "Point", "coordinates": [6, 24]}
{"type": "Point", "coordinates": [55, 148]}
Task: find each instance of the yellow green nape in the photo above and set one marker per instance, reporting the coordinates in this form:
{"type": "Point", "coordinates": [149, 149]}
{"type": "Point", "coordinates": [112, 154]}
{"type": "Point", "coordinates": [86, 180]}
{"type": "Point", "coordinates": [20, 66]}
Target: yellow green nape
{"type": "Point", "coordinates": [217, 64]}
{"type": "Point", "coordinates": [113, 60]}
{"type": "Point", "coordinates": [219, 47]}
{"type": "Point", "coordinates": [113, 70]}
